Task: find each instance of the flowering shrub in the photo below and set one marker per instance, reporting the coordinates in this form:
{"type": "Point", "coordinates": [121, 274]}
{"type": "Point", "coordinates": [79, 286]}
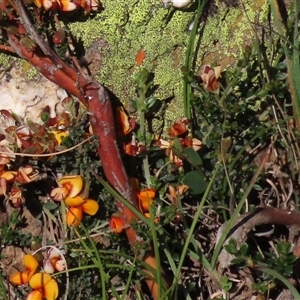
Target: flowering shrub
{"type": "Point", "coordinates": [69, 191]}
{"type": "Point", "coordinates": [42, 284]}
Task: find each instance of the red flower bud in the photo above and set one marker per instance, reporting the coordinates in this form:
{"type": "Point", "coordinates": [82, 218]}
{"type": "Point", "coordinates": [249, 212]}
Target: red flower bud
{"type": "Point", "coordinates": [59, 36]}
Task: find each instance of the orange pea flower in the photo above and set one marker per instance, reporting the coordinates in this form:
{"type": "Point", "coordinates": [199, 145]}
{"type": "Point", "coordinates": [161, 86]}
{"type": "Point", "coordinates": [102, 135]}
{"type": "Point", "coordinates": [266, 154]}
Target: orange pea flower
{"type": "Point", "coordinates": [116, 224]}
{"type": "Point", "coordinates": [210, 77]}
{"type": "Point", "coordinates": [9, 175]}
{"type": "Point", "coordinates": [89, 5]}
{"type": "Point", "coordinates": [78, 206]}
{"type": "Point", "coordinates": [69, 186]}
{"type": "Point", "coordinates": [123, 122]}
{"type": "Point", "coordinates": [64, 5]}
{"type": "Point", "coordinates": [23, 135]}
{"type": "Point", "coordinates": [27, 174]}
{"type": "Point", "coordinates": [31, 265]}
{"type": "Point", "coordinates": [169, 152]}
{"type": "Point", "coordinates": [180, 127]}
{"type": "Point", "coordinates": [145, 196]}
{"type": "Point", "coordinates": [133, 148]}
{"type": "Point", "coordinates": [16, 196]}
{"type": "Point", "coordinates": [54, 262]}
{"type": "Point", "coordinates": [191, 142]}
{"type": "Point", "coordinates": [44, 286]}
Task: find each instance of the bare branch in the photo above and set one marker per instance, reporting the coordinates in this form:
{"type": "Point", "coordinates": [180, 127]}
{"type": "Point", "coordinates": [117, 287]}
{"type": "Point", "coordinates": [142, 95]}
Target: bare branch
{"type": "Point", "coordinates": [249, 221]}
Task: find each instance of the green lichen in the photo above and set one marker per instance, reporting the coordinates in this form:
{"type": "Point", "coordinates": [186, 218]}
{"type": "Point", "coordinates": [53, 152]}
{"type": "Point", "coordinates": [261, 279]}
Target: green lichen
{"type": "Point", "coordinates": [130, 26]}
{"type": "Point", "coordinates": [32, 73]}
{"type": "Point", "coordinates": [5, 61]}
{"type": "Point", "coordinates": [125, 27]}
{"type": "Point", "coordinates": [227, 33]}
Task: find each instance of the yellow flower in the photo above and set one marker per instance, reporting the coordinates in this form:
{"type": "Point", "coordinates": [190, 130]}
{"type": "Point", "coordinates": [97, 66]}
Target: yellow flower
{"type": "Point", "coordinates": [44, 286]}
{"type": "Point", "coordinates": [31, 265]}
{"type": "Point", "coordinates": [59, 135]}
{"type": "Point", "coordinates": [69, 186]}
{"type": "Point", "coordinates": [78, 206]}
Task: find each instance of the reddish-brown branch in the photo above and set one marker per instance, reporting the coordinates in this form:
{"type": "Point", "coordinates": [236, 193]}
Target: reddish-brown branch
{"type": "Point", "coordinates": [95, 97]}
{"type": "Point", "coordinates": [7, 48]}
{"type": "Point", "coordinates": [69, 71]}
{"type": "Point", "coordinates": [48, 69]}
{"type": "Point", "coordinates": [103, 124]}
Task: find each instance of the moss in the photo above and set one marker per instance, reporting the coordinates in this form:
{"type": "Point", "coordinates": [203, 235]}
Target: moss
{"type": "Point", "coordinates": [129, 26]}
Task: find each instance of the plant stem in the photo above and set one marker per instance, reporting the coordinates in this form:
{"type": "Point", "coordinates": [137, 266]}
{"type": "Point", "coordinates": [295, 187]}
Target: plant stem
{"type": "Point", "coordinates": [189, 59]}
{"type": "Point", "coordinates": [141, 113]}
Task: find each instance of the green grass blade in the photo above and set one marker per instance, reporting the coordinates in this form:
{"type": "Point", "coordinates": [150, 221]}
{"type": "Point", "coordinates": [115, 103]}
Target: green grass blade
{"type": "Point", "coordinates": [234, 216]}
{"type": "Point", "coordinates": [292, 57]}
{"type": "Point", "coordinates": [189, 58]}
{"type": "Point", "coordinates": [278, 276]}
{"type": "Point", "coordinates": [132, 269]}
{"type": "Point", "coordinates": [114, 193]}
{"type": "Point", "coordinates": [156, 250]}
{"type": "Point", "coordinates": [194, 223]}
{"type": "Point", "coordinates": [95, 258]}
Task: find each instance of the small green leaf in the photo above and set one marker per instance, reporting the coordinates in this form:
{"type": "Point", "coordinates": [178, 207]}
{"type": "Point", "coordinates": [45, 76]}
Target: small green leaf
{"type": "Point", "coordinates": [50, 205]}
{"type": "Point", "coordinates": [261, 287]}
{"type": "Point", "coordinates": [231, 247]}
{"type": "Point", "coordinates": [150, 102]}
{"type": "Point", "coordinates": [192, 156]}
{"type": "Point", "coordinates": [133, 104]}
{"type": "Point", "coordinates": [45, 117]}
{"type": "Point", "coordinates": [238, 261]}
{"type": "Point", "coordinates": [283, 248]}
{"type": "Point", "coordinates": [226, 285]}
{"type": "Point", "coordinates": [177, 145]}
{"type": "Point", "coordinates": [281, 66]}
{"type": "Point", "coordinates": [257, 187]}
{"type": "Point", "coordinates": [280, 76]}
{"type": "Point", "coordinates": [195, 181]}
{"type": "Point", "coordinates": [244, 249]}
{"type": "Point", "coordinates": [191, 286]}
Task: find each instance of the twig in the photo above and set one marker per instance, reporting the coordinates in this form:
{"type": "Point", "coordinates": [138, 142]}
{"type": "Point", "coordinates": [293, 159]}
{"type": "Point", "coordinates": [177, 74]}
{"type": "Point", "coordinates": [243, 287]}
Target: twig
{"type": "Point", "coordinates": [79, 80]}
{"type": "Point", "coordinates": [7, 48]}
{"type": "Point", "coordinates": [55, 73]}
{"type": "Point", "coordinates": [31, 29]}
{"type": "Point", "coordinates": [247, 222]}
{"type": "Point", "coordinates": [46, 154]}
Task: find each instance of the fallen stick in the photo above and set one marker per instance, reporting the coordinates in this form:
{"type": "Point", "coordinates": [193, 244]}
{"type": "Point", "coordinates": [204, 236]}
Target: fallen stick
{"type": "Point", "coordinates": [249, 221]}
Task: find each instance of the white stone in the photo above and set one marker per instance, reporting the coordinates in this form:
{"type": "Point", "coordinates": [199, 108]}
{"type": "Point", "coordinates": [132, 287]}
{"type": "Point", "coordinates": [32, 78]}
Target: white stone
{"type": "Point", "coordinates": [177, 3]}
{"type": "Point", "coordinates": [28, 98]}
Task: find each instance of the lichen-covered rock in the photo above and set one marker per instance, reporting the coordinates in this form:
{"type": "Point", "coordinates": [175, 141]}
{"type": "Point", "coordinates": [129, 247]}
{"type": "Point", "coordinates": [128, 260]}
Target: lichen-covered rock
{"type": "Point", "coordinates": [126, 27]}
{"type": "Point", "coordinates": [114, 36]}
{"type": "Point", "coordinates": [129, 26]}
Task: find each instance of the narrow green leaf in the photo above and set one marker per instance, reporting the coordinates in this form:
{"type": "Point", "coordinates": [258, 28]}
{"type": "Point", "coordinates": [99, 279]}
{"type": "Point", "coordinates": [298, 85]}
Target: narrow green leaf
{"type": "Point", "coordinates": [192, 156]}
